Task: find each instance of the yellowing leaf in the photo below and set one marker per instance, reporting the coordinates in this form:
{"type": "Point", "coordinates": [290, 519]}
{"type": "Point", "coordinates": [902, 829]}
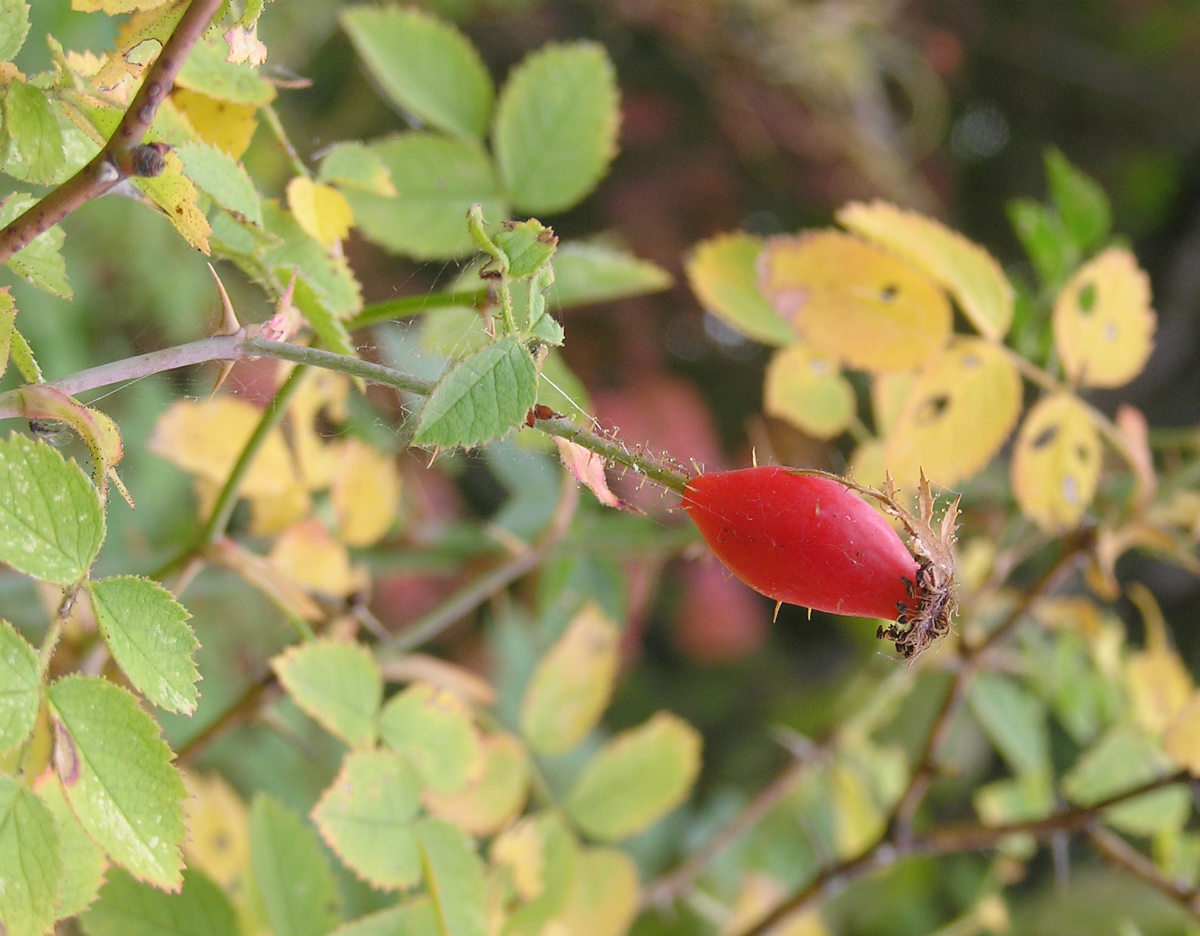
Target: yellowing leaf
{"type": "Point", "coordinates": [224, 124]}
{"type": "Point", "coordinates": [308, 554]}
{"type": "Point", "coordinates": [366, 494]}
{"type": "Point", "coordinates": [855, 301]}
{"type": "Point", "coordinates": [1056, 462]}
{"type": "Point", "coordinates": [758, 896]}
{"type": "Point", "coordinates": [1103, 323]}
{"type": "Point", "coordinates": [806, 388]}
{"type": "Point", "coordinates": [320, 210]}
{"type": "Point", "coordinates": [218, 839]}
{"type": "Point", "coordinates": [1182, 740]}
{"type": "Point", "coordinates": [274, 513]}
{"type": "Point", "coordinates": [113, 7]}
{"type": "Point", "coordinates": [321, 393]}
{"type": "Point", "coordinates": [966, 270]}
{"type": "Point", "coordinates": [859, 820]}
{"type": "Point", "coordinates": [572, 684]}
{"type": "Point", "coordinates": [961, 409]}
{"type": "Point", "coordinates": [495, 797]}
{"type": "Point", "coordinates": [1158, 682]}
{"type": "Point", "coordinates": [175, 194]}
{"type": "Point", "coordinates": [723, 275]}
{"type": "Point", "coordinates": [206, 437]}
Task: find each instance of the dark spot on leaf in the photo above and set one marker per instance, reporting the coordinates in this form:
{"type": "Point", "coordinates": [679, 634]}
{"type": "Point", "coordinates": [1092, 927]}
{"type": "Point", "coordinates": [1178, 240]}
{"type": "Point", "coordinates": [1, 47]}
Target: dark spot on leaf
{"type": "Point", "coordinates": [933, 408]}
{"type": "Point", "coordinates": [1081, 453]}
{"type": "Point", "coordinates": [889, 292]}
{"type": "Point", "coordinates": [1086, 297]}
{"type": "Point", "coordinates": [1045, 437]}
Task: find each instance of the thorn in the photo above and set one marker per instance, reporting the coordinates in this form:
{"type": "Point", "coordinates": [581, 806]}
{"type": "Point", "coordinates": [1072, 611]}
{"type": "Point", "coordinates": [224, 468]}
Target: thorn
{"type": "Point", "coordinates": [229, 326]}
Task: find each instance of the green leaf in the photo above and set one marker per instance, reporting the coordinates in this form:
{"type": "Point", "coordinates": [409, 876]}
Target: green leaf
{"type": "Point", "coordinates": [51, 520]}
{"type": "Point", "coordinates": [1021, 798]}
{"type": "Point", "coordinates": [526, 246]}
{"type": "Point", "coordinates": [291, 875]}
{"type": "Point", "coordinates": [366, 816]}
{"type": "Point", "coordinates": [117, 775]}
{"type": "Point", "coordinates": [423, 66]}
{"type": "Point", "coordinates": [1044, 238]}
{"type": "Point", "coordinates": [40, 261]}
{"type": "Point", "coordinates": [32, 127]}
{"type": "Point", "coordinates": [453, 877]}
{"type": "Point", "coordinates": [337, 683]}
{"type": "Point", "coordinates": [328, 327]}
{"type": "Point", "coordinates": [1079, 201]}
{"type": "Point", "coordinates": [147, 632]}
{"type": "Point", "coordinates": [84, 863]}
{"type": "Point", "coordinates": [329, 277]}
{"type": "Point", "coordinates": [129, 908]}
{"type": "Point", "coordinates": [636, 779]}
{"type": "Point", "coordinates": [8, 318]}
{"type": "Point", "coordinates": [1014, 719]}
{"type": "Point", "coordinates": [1121, 760]}
{"type": "Point", "coordinates": [437, 180]}
{"type": "Point", "coordinates": [556, 126]}
{"type": "Point", "coordinates": [586, 273]}
{"type": "Point", "coordinates": [209, 71]}
{"type": "Point", "coordinates": [220, 175]}
{"type": "Point", "coordinates": [434, 728]}
{"type": "Point", "coordinates": [354, 165]}
{"type": "Point", "coordinates": [572, 684]}
{"type": "Point", "coordinates": [416, 917]}
{"type": "Point", "coordinates": [723, 273]}
{"type": "Point", "coordinates": [14, 27]}
{"type": "Point", "coordinates": [480, 398]}
{"type": "Point", "coordinates": [30, 862]}
{"type": "Point", "coordinates": [20, 684]}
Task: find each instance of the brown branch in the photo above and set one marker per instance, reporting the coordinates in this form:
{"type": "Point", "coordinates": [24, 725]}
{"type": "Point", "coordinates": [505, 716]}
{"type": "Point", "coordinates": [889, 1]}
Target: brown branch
{"type": "Point", "coordinates": [1116, 850]}
{"type": "Point", "coordinates": [124, 154]}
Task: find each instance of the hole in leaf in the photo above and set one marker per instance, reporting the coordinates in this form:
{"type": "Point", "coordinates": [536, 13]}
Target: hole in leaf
{"type": "Point", "coordinates": [1070, 489]}
{"type": "Point", "coordinates": [972, 361]}
{"type": "Point", "coordinates": [933, 408]}
{"type": "Point", "coordinates": [1086, 297]}
{"type": "Point", "coordinates": [1045, 437]}
{"type": "Point", "coordinates": [1111, 332]}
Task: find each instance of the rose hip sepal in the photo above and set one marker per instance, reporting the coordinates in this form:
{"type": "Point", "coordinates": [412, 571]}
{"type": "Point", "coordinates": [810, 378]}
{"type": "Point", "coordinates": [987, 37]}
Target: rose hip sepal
{"type": "Point", "coordinates": [808, 538]}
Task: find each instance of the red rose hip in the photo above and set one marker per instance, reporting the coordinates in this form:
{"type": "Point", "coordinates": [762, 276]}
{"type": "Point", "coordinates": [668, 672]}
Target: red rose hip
{"type": "Point", "coordinates": [804, 539]}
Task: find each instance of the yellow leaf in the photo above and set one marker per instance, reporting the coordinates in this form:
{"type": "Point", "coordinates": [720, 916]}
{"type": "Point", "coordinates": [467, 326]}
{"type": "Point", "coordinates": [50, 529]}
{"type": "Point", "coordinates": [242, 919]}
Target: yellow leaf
{"type": "Point", "coordinates": [855, 301]}
{"type": "Point", "coordinates": [806, 388]}
{"type": "Point", "coordinates": [115, 7]}
{"type": "Point", "coordinates": [366, 494]}
{"type": "Point", "coordinates": [970, 274]}
{"type": "Point", "coordinates": [138, 38]}
{"type": "Point", "coordinates": [491, 800]}
{"type": "Point", "coordinates": [284, 591]}
{"type": "Point", "coordinates": [308, 554]}
{"type": "Point", "coordinates": [1182, 740]}
{"type": "Point", "coordinates": [206, 437]}
{"type": "Point", "coordinates": [218, 840]}
{"type": "Point", "coordinates": [723, 274]}
{"type": "Point", "coordinates": [322, 394]}
{"type": "Point", "coordinates": [962, 408]}
{"type": "Point", "coordinates": [175, 194]}
{"type": "Point", "coordinates": [1158, 682]}
{"type": "Point", "coordinates": [1103, 323]}
{"type": "Point", "coordinates": [572, 684]}
{"type": "Point", "coordinates": [867, 466]}
{"type": "Point", "coordinates": [1056, 462]}
{"type": "Point", "coordinates": [224, 124]}
{"type": "Point", "coordinates": [273, 513]}
{"type": "Point", "coordinates": [322, 211]}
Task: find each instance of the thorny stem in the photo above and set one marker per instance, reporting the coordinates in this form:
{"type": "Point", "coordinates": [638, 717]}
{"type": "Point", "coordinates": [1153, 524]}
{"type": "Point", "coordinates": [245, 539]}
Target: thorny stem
{"type": "Point", "coordinates": [414, 305]}
{"type": "Point", "coordinates": [114, 163]}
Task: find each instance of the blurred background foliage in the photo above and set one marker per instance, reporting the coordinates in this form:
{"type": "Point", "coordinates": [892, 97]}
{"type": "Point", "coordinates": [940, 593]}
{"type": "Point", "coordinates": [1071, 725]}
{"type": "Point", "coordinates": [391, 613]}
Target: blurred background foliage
{"type": "Point", "coordinates": [761, 115]}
